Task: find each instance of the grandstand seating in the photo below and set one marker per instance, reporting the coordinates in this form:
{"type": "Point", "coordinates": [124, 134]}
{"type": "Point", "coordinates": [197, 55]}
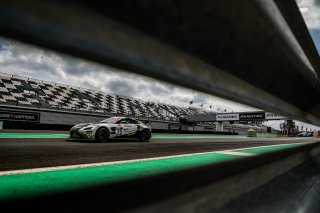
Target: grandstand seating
{"type": "Point", "coordinates": [36, 93]}
{"type": "Point", "coordinates": [21, 91]}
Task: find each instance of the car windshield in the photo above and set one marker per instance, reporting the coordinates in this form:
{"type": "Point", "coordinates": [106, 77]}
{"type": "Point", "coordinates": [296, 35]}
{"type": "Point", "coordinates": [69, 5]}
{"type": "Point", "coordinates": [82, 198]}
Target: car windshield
{"type": "Point", "coordinates": [111, 120]}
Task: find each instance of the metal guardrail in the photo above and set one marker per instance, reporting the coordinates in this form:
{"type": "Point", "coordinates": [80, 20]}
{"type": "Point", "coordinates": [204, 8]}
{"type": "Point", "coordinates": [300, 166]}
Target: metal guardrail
{"type": "Point", "coordinates": [249, 51]}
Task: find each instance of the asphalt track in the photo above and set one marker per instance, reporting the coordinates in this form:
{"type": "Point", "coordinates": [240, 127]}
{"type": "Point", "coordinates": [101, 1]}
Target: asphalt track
{"type": "Point", "coordinates": [35, 164]}
{"type": "Point", "coordinates": [27, 153]}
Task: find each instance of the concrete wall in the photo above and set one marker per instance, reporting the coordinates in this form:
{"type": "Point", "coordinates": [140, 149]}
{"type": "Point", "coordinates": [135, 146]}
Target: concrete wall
{"type": "Point", "coordinates": [187, 127]}
{"type": "Point", "coordinates": [68, 119]}
{"type": "Point", "coordinates": [198, 128]}
{"type": "Point", "coordinates": [159, 125]}
{"type": "Point", "coordinates": [267, 135]}
{"type": "Point", "coordinates": [72, 118]}
{"type": "Point", "coordinates": [192, 128]}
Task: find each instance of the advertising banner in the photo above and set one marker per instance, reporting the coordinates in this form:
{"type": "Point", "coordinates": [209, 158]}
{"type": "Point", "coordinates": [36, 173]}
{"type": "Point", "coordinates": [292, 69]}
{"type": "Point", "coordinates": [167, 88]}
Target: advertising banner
{"type": "Point", "coordinates": [252, 116]}
{"type": "Point", "coordinates": [273, 116]}
{"type": "Point", "coordinates": [19, 116]}
{"type": "Point", "coordinates": [227, 117]}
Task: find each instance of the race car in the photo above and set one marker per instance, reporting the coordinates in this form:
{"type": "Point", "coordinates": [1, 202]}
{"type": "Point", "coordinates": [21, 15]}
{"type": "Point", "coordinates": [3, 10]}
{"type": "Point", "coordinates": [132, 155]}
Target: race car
{"type": "Point", "coordinates": [114, 127]}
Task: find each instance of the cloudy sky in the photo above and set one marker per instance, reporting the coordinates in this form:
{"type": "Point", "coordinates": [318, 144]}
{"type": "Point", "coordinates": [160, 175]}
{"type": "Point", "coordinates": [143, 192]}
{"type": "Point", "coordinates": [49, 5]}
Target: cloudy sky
{"type": "Point", "coordinates": [29, 61]}
{"type": "Point", "coordinates": [310, 10]}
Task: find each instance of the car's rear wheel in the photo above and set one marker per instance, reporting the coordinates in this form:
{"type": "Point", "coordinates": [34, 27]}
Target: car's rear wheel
{"type": "Point", "coordinates": [102, 135]}
{"type": "Point", "coordinates": [145, 136]}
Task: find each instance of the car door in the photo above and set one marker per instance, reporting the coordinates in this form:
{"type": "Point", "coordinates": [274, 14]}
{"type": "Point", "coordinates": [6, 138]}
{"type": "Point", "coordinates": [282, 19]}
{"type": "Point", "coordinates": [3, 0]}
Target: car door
{"type": "Point", "coordinates": [119, 130]}
{"type": "Point", "coordinates": [120, 127]}
{"type": "Point", "coordinates": [131, 127]}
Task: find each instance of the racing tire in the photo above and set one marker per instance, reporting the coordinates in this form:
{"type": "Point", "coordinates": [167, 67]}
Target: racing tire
{"type": "Point", "coordinates": [102, 135]}
{"type": "Point", "coordinates": [144, 136]}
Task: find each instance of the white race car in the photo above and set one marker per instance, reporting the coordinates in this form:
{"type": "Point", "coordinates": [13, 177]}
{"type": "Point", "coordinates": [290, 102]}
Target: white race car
{"type": "Point", "coordinates": [114, 127]}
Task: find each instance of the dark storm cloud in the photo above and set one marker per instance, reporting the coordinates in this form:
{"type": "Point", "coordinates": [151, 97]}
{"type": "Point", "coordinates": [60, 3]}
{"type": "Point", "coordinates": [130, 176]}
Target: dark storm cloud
{"type": "Point", "coordinates": [37, 67]}
{"type": "Point", "coordinates": [24, 58]}
{"type": "Point", "coordinates": [121, 87]}
{"type": "Point", "coordinates": [34, 59]}
{"type": "Point", "coordinates": [87, 84]}
{"type": "Point", "coordinates": [155, 89]}
{"type": "Point", "coordinates": [75, 71]}
{"type": "Point", "coordinates": [315, 34]}
{"type": "Point", "coordinates": [20, 50]}
{"type": "Point", "coordinates": [78, 67]}
{"type": "Point", "coordinates": [317, 2]}
{"type": "Point", "coordinates": [3, 47]}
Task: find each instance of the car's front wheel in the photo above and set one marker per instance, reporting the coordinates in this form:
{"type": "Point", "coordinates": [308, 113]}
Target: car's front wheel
{"type": "Point", "coordinates": [145, 136]}
{"type": "Point", "coordinates": [102, 135]}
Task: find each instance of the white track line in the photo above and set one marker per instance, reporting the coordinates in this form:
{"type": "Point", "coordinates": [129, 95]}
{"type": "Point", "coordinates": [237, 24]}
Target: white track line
{"type": "Point", "coordinates": [55, 168]}
{"type": "Point", "coordinates": [283, 139]}
{"type": "Point", "coordinates": [236, 153]}
{"type": "Point", "coordinates": [253, 147]}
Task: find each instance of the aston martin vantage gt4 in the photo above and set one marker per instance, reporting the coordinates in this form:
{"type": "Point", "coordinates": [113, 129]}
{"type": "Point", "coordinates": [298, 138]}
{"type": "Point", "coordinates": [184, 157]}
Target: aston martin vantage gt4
{"type": "Point", "coordinates": [114, 127]}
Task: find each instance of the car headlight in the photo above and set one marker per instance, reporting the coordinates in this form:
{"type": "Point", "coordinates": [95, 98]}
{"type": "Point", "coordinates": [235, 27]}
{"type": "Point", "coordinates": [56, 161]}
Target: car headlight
{"type": "Point", "coordinates": [88, 128]}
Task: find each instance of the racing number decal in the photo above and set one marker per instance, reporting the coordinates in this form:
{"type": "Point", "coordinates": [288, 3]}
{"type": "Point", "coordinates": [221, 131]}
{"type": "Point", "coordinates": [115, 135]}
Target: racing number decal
{"type": "Point", "coordinates": [119, 130]}
{"type": "Point", "coordinates": [125, 129]}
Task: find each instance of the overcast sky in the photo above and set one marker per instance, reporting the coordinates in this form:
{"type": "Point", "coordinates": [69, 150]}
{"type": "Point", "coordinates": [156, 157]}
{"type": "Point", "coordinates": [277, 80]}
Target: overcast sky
{"type": "Point", "coordinates": [310, 10]}
{"type": "Point", "coordinates": [29, 61]}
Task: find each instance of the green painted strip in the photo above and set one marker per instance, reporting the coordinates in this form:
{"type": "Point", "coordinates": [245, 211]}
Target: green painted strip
{"type": "Point", "coordinates": [32, 135]}
{"type": "Point", "coordinates": [264, 149]}
{"type": "Point", "coordinates": [39, 183]}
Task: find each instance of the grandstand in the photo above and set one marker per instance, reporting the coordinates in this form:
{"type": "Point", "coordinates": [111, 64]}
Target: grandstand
{"type": "Point", "coordinates": [21, 91]}
{"type": "Point", "coordinates": [33, 93]}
